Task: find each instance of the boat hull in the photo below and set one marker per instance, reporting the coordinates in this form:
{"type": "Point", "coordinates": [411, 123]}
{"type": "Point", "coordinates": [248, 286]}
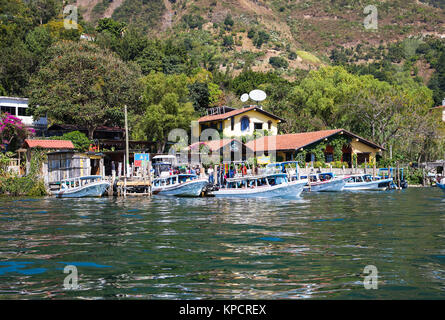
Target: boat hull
{"type": "Point", "coordinates": [332, 185]}
{"type": "Point", "coordinates": [187, 189]}
{"type": "Point", "coordinates": [373, 185]}
{"type": "Point", "coordinates": [291, 189]}
{"type": "Point", "coordinates": [441, 186]}
{"type": "Point", "coordinates": [96, 189]}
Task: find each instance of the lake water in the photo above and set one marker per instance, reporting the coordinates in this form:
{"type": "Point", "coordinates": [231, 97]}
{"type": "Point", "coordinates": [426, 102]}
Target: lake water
{"type": "Point", "coordinates": [207, 248]}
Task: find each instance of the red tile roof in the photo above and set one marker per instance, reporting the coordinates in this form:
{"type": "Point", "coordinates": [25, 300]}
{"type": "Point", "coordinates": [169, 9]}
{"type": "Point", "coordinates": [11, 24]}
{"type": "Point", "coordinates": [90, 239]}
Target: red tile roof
{"type": "Point", "coordinates": [213, 144]}
{"type": "Point", "coordinates": [299, 140]}
{"type": "Point", "coordinates": [49, 144]}
{"type": "Point", "coordinates": [236, 112]}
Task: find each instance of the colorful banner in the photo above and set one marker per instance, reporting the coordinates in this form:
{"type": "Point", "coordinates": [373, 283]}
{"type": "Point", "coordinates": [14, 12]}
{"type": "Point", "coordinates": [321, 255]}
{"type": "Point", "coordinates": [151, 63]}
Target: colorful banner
{"type": "Point", "coordinates": [139, 158]}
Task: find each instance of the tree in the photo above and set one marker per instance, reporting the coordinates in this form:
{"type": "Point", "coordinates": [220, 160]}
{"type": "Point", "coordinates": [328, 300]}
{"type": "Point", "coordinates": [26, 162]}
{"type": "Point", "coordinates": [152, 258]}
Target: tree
{"type": "Point", "coordinates": [166, 104]}
{"type": "Point", "coordinates": [12, 132]}
{"type": "Point", "coordinates": [228, 41]}
{"type": "Point", "coordinates": [85, 85]}
{"type": "Point", "coordinates": [45, 10]}
{"type": "Point", "coordinates": [199, 94]}
{"type": "Point", "coordinates": [388, 114]}
{"type": "Point", "coordinates": [111, 26]}
{"type": "Point", "coordinates": [278, 62]}
{"type": "Point", "coordinates": [228, 22]}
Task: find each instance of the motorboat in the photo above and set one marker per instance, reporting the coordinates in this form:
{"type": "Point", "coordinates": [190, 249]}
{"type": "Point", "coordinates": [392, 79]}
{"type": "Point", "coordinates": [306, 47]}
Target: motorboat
{"type": "Point", "coordinates": [180, 185]}
{"type": "Point", "coordinates": [261, 186]}
{"type": "Point", "coordinates": [81, 187]}
{"type": "Point", "coordinates": [325, 182]}
{"type": "Point", "coordinates": [367, 182]}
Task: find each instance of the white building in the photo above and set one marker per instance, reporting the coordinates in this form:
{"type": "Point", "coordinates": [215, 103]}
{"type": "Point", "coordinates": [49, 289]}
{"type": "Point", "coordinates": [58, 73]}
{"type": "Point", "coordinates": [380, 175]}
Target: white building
{"type": "Point", "coordinates": [19, 107]}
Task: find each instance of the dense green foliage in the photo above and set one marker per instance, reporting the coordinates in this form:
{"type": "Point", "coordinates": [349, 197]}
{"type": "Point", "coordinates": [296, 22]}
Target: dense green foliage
{"type": "Point", "coordinates": [29, 185]}
{"type": "Point", "coordinates": [79, 140]}
{"type": "Point", "coordinates": [166, 104]}
{"type": "Point", "coordinates": [377, 91]}
{"type": "Point", "coordinates": [84, 85]}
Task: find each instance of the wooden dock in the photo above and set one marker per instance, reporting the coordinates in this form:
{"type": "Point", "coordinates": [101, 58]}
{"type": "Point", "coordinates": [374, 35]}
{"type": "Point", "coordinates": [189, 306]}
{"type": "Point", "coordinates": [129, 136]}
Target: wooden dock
{"type": "Point", "coordinates": [132, 187]}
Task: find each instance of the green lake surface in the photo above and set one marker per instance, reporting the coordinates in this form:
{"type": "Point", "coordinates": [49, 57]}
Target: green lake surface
{"type": "Point", "coordinates": [315, 247]}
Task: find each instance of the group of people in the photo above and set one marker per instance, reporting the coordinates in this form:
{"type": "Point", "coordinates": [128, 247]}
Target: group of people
{"type": "Point", "coordinates": [225, 172]}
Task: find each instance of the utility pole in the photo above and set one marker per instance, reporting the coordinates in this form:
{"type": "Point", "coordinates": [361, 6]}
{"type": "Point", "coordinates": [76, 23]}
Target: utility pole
{"type": "Point", "coordinates": [127, 160]}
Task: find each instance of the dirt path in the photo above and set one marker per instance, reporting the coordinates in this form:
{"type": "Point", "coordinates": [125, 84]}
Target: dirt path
{"type": "Point", "coordinates": [167, 18]}
{"type": "Point", "coordinates": [113, 6]}
{"type": "Point", "coordinates": [88, 6]}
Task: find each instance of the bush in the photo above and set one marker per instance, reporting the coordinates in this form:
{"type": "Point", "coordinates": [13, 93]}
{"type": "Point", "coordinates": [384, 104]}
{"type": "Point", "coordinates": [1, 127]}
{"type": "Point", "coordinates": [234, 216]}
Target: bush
{"type": "Point", "coordinates": [193, 21]}
{"type": "Point", "coordinates": [278, 62]}
{"type": "Point", "coordinates": [228, 21]}
{"type": "Point", "coordinates": [251, 33]}
{"type": "Point", "coordinates": [319, 164]}
{"type": "Point", "coordinates": [228, 41]}
{"type": "Point", "coordinates": [79, 139]}
{"type": "Point", "coordinates": [339, 164]}
{"type": "Point", "coordinates": [261, 38]}
{"type": "Point", "coordinates": [22, 186]}
{"type": "Point", "coordinates": [414, 176]}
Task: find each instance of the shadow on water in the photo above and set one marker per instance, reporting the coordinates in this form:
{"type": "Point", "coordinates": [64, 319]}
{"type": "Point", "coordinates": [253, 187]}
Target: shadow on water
{"type": "Point", "coordinates": [313, 247]}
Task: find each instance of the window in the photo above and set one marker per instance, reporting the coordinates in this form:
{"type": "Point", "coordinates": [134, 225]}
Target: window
{"type": "Point", "coordinates": [245, 124]}
{"type": "Point", "coordinates": [232, 123]}
{"type": "Point", "coordinates": [258, 126]}
{"type": "Point", "coordinates": [269, 125]}
{"type": "Point", "coordinates": [23, 111]}
{"type": "Point", "coordinates": [329, 157]}
{"type": "Point", "coordinates": [10, 110]}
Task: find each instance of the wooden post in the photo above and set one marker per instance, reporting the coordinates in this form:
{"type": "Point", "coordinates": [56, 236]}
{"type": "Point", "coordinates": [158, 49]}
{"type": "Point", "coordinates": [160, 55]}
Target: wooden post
{"type": "Point", "coordinates": [374, 170]}
{"type": "Point", "coordinates": [215, 175]}
{"type": "Point", "coordinates": [149, 177]}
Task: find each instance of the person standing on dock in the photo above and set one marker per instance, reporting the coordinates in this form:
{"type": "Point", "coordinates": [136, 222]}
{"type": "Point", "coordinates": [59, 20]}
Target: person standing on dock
{"type": "Point", "coordinates": [210, 173]}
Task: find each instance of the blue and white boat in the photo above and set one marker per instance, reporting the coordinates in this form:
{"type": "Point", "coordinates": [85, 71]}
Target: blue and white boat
{"type": "Point", "coordinates": [325, 182]}
{"type": "Point", "coordinates": [261, 186]}
{"type": "Point", "coordinates": [441, 185]}
{"type": "Point", "coordinates": [180, 185]}
{"type": "Point", "coordinates": [88, 186]}
{"type": "Point", "coordinates": [366, 182]}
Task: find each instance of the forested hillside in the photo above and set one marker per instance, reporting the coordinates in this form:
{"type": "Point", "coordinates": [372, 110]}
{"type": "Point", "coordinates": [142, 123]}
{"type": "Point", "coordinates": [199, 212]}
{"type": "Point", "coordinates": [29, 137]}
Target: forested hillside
{"type": "Point", "coordinates": [319, 65]}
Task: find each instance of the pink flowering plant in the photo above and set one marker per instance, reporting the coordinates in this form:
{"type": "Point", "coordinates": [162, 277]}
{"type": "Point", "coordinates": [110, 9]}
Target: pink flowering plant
{"type": "Point", "coordinates": [12, 130]}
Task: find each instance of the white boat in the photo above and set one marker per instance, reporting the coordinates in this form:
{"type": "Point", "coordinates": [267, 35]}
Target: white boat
{"type": "Point", "coordinates": [180, 185]}
{"type": "Point", "coordinates": [325, 182]}
{"type": "Point", "coordinates": [88, 186]}
{"type": "Point", "coordinates": [366, 182]}
{"type": "Point", "coordinates": [261, 186]}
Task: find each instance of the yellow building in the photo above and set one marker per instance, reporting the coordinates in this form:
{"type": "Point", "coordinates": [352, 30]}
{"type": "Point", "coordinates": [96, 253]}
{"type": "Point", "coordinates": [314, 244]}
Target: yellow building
{"type": "Point", "coordinates": [235, 123]}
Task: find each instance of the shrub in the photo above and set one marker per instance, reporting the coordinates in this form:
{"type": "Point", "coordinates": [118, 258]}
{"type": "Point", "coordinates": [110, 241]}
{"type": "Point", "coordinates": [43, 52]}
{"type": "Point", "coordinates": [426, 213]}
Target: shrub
{"type": "Point", "coordinates": [79, 139]}
{"type": "Point", "coordinates": [278, 62]}
{"type": "Point", "coordinates": [251, 33]}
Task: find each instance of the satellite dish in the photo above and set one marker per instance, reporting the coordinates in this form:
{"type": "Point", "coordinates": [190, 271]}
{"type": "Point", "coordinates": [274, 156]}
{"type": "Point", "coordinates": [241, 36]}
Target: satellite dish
{"type": "Point", "coordinates": [244, 97]}
{"type": "Point", "coordinates": [257, 95]}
